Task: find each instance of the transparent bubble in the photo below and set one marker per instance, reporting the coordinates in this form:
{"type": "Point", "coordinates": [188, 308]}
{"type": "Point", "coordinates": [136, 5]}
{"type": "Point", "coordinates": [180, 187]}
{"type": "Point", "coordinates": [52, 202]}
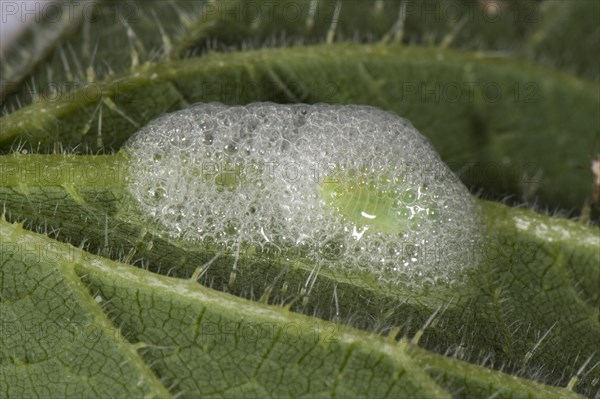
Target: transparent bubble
{"type": "Point", "coordinates": [350, 186]}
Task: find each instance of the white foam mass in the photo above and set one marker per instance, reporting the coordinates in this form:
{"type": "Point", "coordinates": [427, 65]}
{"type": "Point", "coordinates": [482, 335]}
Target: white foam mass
{"type": "Point", "coordinates": [354, 187]}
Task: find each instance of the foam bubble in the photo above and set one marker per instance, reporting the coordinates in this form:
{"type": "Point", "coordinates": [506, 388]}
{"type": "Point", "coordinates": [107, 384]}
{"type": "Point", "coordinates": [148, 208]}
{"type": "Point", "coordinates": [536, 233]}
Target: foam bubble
{"type": "Point", "coordinates": [353, 186]}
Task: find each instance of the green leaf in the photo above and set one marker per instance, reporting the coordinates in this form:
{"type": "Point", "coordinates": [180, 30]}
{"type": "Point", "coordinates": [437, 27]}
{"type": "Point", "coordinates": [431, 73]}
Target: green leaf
{"type": "Point", "coordinates": [568, 36]}
{"type": "Point", "coordinates": [531, 306]}
{"type": "Point", "coordinates": [82, 325]}
{"type": "Point", "coordinates": [95, 40]}
{"type": "Point", "coordinates": [488, 135]}
{"type": "Point", "coordinates": [112, 36]}
{"type": "Point", "coordinates": [55, 339]}
{"type": "Point", "coordinates": [133, 332]}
